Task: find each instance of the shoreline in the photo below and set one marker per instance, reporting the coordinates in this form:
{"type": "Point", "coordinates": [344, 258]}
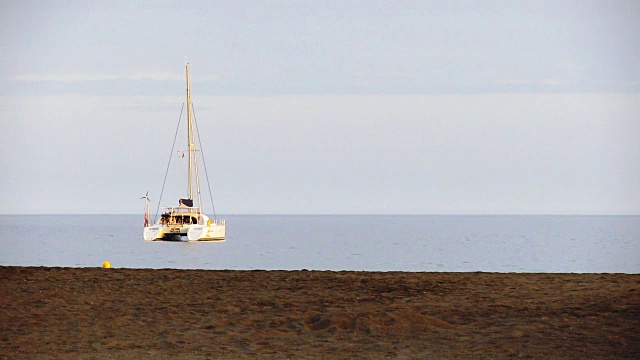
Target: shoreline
{"type": "Point", "coordinates": [82, 313]}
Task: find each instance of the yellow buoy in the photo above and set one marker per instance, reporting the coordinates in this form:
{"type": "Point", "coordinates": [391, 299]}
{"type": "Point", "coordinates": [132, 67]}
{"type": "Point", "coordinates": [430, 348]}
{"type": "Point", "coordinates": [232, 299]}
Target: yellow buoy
{"type": "Point", "coordinates": [106, 264]}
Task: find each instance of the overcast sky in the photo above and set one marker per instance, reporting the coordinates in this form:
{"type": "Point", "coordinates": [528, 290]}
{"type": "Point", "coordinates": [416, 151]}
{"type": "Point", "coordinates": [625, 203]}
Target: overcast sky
{"type": "Point", "coordinates": [331, 107]}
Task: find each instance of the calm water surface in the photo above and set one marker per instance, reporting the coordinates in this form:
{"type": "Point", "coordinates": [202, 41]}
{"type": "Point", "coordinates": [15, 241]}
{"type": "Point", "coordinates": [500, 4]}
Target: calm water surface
{"type": "Point", "coordinates": [336, 242]}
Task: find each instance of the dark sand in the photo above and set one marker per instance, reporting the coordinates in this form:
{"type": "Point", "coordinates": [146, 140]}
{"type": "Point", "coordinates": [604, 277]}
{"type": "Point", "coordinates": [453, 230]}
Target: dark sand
{"type": "Point", "coordinates": [94, 313]}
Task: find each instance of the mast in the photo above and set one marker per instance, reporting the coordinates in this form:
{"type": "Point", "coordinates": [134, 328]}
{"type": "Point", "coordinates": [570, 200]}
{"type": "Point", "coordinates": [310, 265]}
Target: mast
{"type": "Point", "coordinates": [190, 139]}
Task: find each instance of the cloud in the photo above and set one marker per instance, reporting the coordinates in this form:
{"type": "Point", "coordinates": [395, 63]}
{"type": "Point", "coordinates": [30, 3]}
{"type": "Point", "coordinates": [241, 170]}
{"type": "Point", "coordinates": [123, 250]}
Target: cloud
{"type": "Point", "coordinates": [70, 78]}
{"type": "Point", "coordinates": [64, 77]}
{"type": "Point", "coordinates": [549, 82]}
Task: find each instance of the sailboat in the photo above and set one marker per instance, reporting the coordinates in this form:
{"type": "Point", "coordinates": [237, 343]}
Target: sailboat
{"type": "Point", "coordinates": [185, 219]}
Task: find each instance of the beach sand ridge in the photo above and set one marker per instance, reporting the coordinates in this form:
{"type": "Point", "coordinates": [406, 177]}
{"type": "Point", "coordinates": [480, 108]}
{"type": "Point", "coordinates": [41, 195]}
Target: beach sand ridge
{"type": "Point", "coordinates": [87, 313]}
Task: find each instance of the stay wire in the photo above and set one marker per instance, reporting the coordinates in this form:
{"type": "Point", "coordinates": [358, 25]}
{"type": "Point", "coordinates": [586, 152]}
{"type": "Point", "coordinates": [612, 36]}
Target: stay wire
{"type": "Point", "coordinates": [206, 173]}
{"type": "Point", "coordinates": [168, 164]}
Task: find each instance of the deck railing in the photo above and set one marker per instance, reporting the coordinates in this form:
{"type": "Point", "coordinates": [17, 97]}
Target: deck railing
{"type": "Point", "coordinates": [181, 209]}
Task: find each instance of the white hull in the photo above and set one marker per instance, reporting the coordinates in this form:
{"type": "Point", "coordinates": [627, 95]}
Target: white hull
{"type": "Point", "coordinates": [214, 232]}
{"type": "Point", "coordinates": [218, 232]}
{"type": "Point", "coordinates": [154, 232]}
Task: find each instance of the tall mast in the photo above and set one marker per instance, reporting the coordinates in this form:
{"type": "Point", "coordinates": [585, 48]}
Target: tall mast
{"type": "Point", "coordinates": [190, 139]}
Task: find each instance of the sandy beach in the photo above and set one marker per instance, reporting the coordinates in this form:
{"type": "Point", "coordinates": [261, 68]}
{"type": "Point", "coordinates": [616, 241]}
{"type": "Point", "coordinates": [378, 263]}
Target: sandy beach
{"type": "Point", "coordinates": [95, 313]}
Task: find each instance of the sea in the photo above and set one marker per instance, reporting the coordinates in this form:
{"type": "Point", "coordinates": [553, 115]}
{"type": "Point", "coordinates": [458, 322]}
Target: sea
{"type": "Point", "coordinates": [411, 243]}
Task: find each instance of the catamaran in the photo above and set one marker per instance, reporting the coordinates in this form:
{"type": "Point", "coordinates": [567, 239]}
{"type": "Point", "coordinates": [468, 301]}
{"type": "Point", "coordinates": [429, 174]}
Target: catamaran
{"type": "Point", "coordinates": [185, 219]}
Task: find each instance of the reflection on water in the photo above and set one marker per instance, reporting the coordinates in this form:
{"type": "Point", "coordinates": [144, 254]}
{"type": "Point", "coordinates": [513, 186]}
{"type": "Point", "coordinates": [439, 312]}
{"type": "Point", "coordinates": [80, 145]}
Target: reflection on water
{"type": "Point", "coordinates": [371, 243]}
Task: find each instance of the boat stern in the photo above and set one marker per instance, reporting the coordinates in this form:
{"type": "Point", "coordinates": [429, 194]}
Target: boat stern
{"type": "Point", "coordinates": [214, 231]}
{"type": "Point", "coordinates": [154, 232]}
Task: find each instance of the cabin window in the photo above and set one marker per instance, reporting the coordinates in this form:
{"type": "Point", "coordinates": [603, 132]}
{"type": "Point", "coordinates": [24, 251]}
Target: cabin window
{"type": "Point", "coordinates": [178, 219]}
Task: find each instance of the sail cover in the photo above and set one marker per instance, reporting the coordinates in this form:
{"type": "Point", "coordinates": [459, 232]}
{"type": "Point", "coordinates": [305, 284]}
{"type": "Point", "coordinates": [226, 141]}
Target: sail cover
{"type": "Point", "coordinates": [186, 202]}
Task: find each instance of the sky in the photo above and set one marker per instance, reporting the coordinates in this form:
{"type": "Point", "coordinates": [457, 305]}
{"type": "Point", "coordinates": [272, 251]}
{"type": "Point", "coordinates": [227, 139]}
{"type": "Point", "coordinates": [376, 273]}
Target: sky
{"type": "Point", "coordinates": [323, 107]}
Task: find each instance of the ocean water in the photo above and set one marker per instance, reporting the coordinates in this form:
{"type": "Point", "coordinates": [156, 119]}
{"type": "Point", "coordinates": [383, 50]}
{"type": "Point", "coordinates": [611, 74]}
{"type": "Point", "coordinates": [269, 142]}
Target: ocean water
{"type": "Point", "coordinates": [551, 244]}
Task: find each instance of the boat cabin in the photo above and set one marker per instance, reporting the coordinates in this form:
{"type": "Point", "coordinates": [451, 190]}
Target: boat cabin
{"type": "Point", "coordinates": [180, 215]}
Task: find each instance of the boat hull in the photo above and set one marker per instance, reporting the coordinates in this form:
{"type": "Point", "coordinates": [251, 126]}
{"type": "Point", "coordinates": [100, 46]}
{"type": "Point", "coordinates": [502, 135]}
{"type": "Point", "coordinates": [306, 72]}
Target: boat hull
{"type": "Point", "coordinates": [154, 232]}
{"type": "Point", "coordinates": [214, 232]}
